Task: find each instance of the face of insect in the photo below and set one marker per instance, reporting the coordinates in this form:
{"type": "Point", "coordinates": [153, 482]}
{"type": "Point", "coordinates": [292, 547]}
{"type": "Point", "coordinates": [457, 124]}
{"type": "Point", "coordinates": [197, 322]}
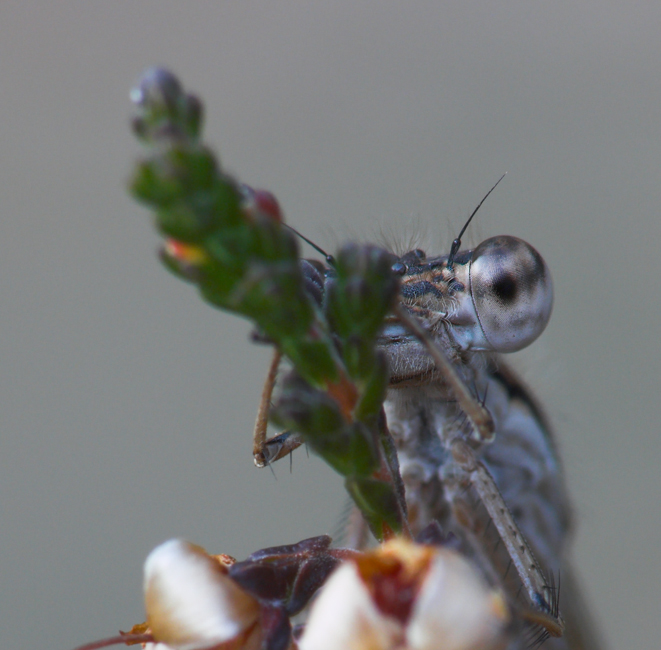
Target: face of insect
{"type": "Point", "coordinates": [497, 297]}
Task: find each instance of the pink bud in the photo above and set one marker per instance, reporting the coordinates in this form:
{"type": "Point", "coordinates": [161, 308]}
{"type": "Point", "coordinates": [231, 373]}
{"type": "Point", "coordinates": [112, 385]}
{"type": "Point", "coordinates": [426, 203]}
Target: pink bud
{"type": "Point", "coordinates": [261, 202]}
{"type": "Point", "coordinates": [268, 205]}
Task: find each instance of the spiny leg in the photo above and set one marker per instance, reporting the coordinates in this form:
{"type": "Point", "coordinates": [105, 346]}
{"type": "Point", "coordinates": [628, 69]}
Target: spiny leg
{"type": "Point", "coordinates": [542, 595]}
{"type": "Point", "coordinates": [542, 599]}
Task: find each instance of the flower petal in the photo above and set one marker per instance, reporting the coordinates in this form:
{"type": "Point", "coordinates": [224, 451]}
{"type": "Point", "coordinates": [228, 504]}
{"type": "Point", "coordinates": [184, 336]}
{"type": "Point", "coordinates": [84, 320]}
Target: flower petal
{"type": "Point", "coordinates": [345, 616]}
{"type": "Point", "coordinates": [191, 602]}
{"type": "Point", "coordinates": [455, 609]}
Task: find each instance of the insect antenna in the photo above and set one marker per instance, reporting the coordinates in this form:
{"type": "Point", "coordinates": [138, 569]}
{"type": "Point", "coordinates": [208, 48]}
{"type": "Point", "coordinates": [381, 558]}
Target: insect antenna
{"type": "Point", "coordinates": [454, 249]}
{"type": "Point", "coordinates": [330, 260]}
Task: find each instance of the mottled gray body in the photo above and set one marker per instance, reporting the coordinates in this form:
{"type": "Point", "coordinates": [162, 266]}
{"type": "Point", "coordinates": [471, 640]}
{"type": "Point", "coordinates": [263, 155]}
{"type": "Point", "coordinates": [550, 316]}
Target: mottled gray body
{"type": "Point", "coordinates": [522, 461]}
{"type": "Point", "coordinates": [424, 419]}
{"type": "Point", "coordinates": [475, 451]}
{"type": "Point", "coordinates": [469, 317]}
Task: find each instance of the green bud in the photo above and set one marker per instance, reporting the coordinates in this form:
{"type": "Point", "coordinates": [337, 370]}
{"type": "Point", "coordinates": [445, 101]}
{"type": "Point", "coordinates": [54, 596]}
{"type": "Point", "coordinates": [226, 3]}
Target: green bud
{"type": "Point", "coordinates": [362, 293]}
{"type": "Point", "coordinates": [148, 184]}
{"type": "Point", "coordinates": [373, 387]}
{"type": "Point", "coordinates": [308, 410]}
{"type": "Point", "coordinates": [378, 503]}
{"type": "Point", "coordinates": [163, 110]}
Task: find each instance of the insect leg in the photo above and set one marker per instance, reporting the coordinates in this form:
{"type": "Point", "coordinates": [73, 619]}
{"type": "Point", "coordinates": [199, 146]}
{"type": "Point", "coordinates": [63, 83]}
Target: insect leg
{"type": "Point", "coordinates": [267, 451]}
{"type": "Point", "coordinates": [479, 417]}
{"type": "Point", "coordinates": [261, 422]}
{"type": "Point", "coordinates": [541, 594]}
{"type": "Point", "coordinates": [542, 597]}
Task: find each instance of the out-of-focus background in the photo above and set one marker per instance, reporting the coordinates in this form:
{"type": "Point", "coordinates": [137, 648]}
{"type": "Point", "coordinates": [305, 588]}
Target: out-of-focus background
{"type": "Point", "coordinates": [126, 404]}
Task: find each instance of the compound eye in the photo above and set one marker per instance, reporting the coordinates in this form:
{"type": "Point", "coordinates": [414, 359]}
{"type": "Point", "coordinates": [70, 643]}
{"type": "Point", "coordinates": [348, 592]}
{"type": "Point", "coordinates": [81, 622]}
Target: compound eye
{"type": "Point", "coordinates": [512, 292]}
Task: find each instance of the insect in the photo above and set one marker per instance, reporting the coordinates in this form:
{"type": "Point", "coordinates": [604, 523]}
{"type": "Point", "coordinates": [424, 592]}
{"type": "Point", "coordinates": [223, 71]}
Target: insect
{"type": "Point", "coordinates": [475, 450]}
{"type": "Point", "coordinates": [459, 442]}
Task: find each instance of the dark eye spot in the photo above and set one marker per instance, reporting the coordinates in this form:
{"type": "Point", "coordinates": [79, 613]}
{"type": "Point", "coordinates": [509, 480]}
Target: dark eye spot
{"type": "Point", "coordinates": [505, 288]}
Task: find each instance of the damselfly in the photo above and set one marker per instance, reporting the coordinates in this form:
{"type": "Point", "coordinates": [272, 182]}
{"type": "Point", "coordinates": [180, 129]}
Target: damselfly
{"type": "Point", "coordinates": [475, 450]}
{"type": "Point", "coordinates": [459, 443]}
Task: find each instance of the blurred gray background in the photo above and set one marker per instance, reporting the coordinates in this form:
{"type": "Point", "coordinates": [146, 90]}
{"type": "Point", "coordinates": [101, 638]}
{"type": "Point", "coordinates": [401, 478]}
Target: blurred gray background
{"type": "Point", "coordinates": [127, 404]}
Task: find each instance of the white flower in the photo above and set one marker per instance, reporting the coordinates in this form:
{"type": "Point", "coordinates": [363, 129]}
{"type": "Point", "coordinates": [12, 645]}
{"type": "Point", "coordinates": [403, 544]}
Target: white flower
{"type": "Point", "coordinates": [192, 604]}
{"type": "Point", "coordinates": [406, 596]}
